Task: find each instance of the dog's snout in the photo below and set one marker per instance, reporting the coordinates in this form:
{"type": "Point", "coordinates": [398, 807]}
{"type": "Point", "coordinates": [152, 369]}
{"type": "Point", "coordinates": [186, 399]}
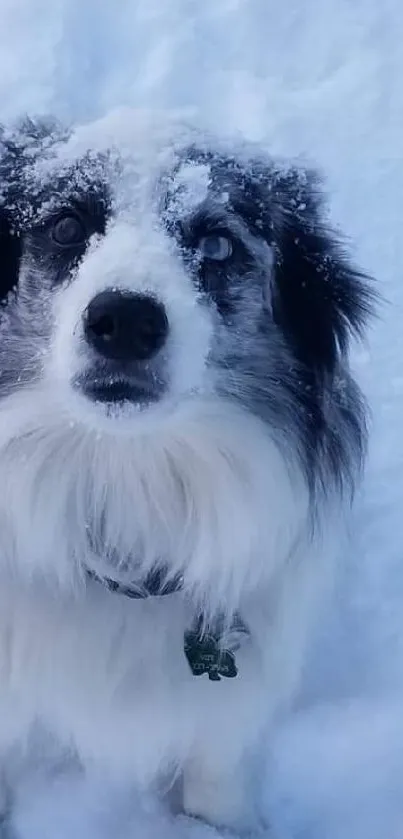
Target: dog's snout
{"type": "Point", "coordinates": [125, 326]}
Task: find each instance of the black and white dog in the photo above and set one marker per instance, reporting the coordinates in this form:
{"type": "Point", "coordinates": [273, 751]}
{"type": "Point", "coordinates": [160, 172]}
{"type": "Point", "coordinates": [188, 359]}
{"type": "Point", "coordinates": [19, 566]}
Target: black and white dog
{"type": "Point", "coordinates": [180, 436]}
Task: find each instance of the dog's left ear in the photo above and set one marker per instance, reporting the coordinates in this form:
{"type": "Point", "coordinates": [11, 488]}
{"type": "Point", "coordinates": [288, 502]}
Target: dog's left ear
{"type": "Point", "coordinates": [319, 298]}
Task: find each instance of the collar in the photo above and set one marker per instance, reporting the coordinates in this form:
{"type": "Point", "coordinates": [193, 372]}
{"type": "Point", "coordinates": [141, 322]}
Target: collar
{"type": "Point", "coordinates": [208, 650]}
{"type": "Point", "coordinates": [154, 585]}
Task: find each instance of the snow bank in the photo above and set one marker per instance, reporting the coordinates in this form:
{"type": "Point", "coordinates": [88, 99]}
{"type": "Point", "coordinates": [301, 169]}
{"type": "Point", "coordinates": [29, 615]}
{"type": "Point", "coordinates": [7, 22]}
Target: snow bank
{"type": "Point", "coordinates": [323, 80]}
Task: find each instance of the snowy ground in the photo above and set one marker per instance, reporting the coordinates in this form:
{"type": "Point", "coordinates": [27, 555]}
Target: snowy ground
{"type": "Point", "coordinates": [322, 79]}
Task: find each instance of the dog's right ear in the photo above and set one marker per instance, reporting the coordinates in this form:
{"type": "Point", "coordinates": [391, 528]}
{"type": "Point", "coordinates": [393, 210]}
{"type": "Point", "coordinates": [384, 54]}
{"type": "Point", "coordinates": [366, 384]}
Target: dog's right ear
{"type": "Point", "coordinates": [10, 242]}
{"type": "Point", "coordinates": [10, 252]}
{"type": "Point", "coordinates": [18, 148]}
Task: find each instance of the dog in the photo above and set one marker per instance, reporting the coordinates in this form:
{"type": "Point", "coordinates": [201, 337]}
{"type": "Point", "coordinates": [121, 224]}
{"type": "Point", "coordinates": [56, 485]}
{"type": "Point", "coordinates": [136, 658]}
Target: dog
{"type": "Point", "coordinates": [180, 439]}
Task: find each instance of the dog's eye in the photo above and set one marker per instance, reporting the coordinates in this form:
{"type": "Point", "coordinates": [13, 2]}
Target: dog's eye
{"type": "Point", "coordinates": [68, 230]}
{"type": "Point", "coordinates": [215, 247]}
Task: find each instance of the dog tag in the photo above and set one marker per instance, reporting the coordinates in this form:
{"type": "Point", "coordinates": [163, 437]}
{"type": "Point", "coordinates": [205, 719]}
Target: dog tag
{"type": "Point", "coordinates": [205, 656]}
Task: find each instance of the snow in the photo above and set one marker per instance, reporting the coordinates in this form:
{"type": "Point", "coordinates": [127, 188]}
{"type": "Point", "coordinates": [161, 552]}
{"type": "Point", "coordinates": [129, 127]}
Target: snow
{"type": "Point", "coordinates": [322, 80]}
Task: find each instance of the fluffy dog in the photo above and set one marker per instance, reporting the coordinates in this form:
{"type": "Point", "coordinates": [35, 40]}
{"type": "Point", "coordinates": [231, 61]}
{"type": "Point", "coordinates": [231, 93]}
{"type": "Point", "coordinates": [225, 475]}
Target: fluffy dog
{"type": "Point", "coordinates": [179, 438]}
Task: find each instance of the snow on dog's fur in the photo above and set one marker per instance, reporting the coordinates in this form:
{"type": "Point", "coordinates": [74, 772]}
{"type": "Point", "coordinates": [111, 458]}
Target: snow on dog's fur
{"type": "Point", "coordinates": [174, 396]}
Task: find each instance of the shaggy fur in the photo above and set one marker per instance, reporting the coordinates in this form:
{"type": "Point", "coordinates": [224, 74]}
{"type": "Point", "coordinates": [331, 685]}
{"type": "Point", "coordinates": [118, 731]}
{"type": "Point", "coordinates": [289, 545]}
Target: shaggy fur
{"type": "Point", "coordinates": [224, 460]}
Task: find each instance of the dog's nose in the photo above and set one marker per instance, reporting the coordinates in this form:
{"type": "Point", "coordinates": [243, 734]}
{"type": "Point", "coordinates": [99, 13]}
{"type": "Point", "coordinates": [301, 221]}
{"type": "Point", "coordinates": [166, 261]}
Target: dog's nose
{"type": "Point", "coordinates": [124, 326]}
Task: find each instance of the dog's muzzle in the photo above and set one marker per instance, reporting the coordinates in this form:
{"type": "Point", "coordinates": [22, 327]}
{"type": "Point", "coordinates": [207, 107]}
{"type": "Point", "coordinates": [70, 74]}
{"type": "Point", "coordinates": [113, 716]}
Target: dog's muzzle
{"type": "Point", "coordinates": [125, 334]}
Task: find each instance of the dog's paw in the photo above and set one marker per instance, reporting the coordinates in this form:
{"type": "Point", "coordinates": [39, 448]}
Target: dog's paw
{"type": "Point", "coordinates": [192, 827]}
{"type": "Point", "coordinates": [227, 815]}
{"type": "Point", "coordinates": [227, 800]}
{"type": "Point", "coordinates": [256, 830]}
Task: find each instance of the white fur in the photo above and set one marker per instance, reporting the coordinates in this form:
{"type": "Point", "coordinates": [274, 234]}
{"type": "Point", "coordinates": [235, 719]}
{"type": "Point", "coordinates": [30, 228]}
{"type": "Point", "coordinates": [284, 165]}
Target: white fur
{"type": "Point", "coordinates": [194, 481]}
{"type": "Point", "coordinates": [107, 675]}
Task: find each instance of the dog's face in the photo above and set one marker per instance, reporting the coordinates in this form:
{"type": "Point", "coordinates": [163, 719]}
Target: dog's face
{"type": "Point", "coordinates": [173, 344]}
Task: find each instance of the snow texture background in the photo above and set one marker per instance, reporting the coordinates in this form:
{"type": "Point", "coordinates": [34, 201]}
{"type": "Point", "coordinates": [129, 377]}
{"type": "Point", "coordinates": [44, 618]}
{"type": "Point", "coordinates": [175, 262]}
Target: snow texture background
{"type": "Point", "coordinates": [322, 79]}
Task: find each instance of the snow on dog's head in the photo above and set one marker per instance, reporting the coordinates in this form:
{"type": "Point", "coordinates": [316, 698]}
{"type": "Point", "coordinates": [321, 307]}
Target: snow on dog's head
{"type": "Point", "coordinates": [174, 385]}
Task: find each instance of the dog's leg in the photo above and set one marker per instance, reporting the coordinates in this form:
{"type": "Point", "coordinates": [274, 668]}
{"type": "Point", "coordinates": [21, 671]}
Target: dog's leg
{"type": "Point", "coordinates": [5, 808]}
{"type": "Point", "coordinates": [233, 718]}
{"type": "Point", "coordinates": [221, 780]}
{"type": "Point", "coordinates": [220, 796]}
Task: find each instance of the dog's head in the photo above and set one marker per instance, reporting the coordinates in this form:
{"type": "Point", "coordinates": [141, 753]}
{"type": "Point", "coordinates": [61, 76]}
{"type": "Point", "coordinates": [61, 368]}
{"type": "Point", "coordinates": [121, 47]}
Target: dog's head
{"type": "Point", "coordinates": [174, 329]}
